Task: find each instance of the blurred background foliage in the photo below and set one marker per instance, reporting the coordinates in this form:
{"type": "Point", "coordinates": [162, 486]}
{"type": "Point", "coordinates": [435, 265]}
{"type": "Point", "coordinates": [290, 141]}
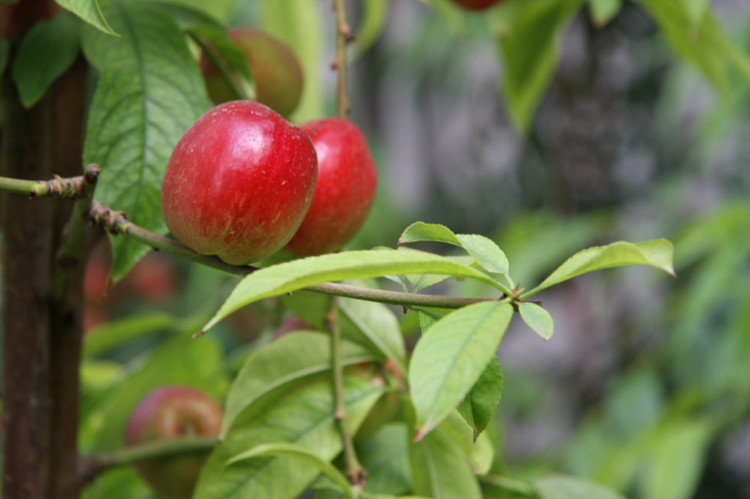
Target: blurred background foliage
{"type": "Point", "coordinates": [645, 386]}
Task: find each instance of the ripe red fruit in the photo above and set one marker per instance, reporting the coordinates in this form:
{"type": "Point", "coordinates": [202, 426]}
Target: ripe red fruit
{"type": "Point", "coordinates": [345, 190]}
{"type": "Point", "coordinates": [476, 4]}
{"type": "Point", "coordinates": [239, 183]}
{"type": "Point", "coordinates": [167, 413]}
{"type": "Point", "coordinates": [275, 69]}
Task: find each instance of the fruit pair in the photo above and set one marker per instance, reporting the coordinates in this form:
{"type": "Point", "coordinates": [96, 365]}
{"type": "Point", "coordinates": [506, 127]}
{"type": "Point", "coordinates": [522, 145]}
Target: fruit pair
{"type": "Point", "coordinates": [243, 182]}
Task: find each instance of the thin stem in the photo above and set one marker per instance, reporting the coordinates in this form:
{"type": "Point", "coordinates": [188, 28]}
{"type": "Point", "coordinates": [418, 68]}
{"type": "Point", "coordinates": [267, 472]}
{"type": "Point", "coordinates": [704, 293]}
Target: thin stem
{"type": "Point", "coordinates": [117, 223]}
{"type": "Point", "coordinates": [354, 469]}
{"type": "Point", "coordinates": [343, 37]}
{"type": "Point", "coordinates": [95, 464]}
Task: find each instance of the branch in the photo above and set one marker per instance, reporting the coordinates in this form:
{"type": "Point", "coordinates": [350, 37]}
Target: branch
{"type": "Point", "coordinates": [69, 188]}
{"type": "Point", "coordinates": [93, 465]}
{"type": "Point", "coordinates": [344, 36]}
{"type": "Point", "coordinates": [117, 223]}
{"type": "Point", "coordinates": [72, 241]}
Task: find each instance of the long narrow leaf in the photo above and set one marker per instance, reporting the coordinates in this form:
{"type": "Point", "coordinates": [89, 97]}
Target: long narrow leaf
{"type": "Point", "coordinates": [297, 274]}
{"type": "Point", "coordinates": [656, 253]}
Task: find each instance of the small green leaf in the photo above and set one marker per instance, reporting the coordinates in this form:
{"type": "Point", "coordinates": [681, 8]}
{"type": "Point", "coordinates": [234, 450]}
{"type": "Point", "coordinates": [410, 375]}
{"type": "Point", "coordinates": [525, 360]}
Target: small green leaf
{"type": "Point", "coordinates": [485, 252]}
{"type": "Point", "coordinates": [450, 358]}
{"type": "Point", "coordinates": [479, 449]}
{"type": "Point", "coordinates": [378, 325]}
{"type": "Point", "coordinates": [421, 231]}
{"type": "Point", "coordinates": [298, 274]}
{"type": "Point", "coordinates": [656, 253]}
{"type": "Point", "coordinates": [603, 11]}
{"type": "Point", "coordinates": [300, 454]}
{"type": "Point", "coordinates": [148, 93]}
{"type": "Point", "coordinates": [537, 318]}
{"type": "Point", "coordinates": [49, 48]}
{"type": "Point", "coordinates": [89, 11]}
{"type": "Point", "coordinates": [530, 53]}
{"type": "Point", "coordinates": [565, 487]}
{"type": "Point", "coordinates": [440, 470]}
{"type": "Point", "coordinates": [305, 418]}
{"type": "Point", "coordinates": [274, 368]}
{"type": "Point", "coordinates": [480, 403]}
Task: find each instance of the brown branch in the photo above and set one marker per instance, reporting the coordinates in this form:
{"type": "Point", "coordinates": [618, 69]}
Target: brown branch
{"type": "Point", "coordinates": [344, 36]}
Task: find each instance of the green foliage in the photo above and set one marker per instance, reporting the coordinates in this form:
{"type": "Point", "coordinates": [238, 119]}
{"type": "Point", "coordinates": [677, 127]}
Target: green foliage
{"type": "Point", "coordinates": [451, 357]}
{"type": "Point", "coordinates": [90, 11]}
{"type": "Point", "coordinates": [46, 52]}
{"type": "Point", "coordinates": [304, 272]}
{"type": "Point", "coordinates": [148, 93]}
{"type": "Point", "coordinates": [534, 36]}
{"type": "Point", "coordinates": [292, 360]}
{"type": "Point", "coordinates": [304, 418]}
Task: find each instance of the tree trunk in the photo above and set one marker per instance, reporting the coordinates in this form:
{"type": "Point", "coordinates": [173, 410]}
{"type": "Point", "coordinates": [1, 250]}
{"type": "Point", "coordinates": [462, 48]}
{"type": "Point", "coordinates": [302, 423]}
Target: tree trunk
{"type": "Point", "coordinates": [41, 324]}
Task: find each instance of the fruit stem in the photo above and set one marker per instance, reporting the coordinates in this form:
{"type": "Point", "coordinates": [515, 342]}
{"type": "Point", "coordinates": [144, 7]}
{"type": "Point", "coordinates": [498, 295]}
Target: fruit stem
{"type": "Point", "coordinates": [93, 465]}
{"type": "Point", "coordinates": [344, 36]}
{"type": "Point", "coordinates": [354, 470]}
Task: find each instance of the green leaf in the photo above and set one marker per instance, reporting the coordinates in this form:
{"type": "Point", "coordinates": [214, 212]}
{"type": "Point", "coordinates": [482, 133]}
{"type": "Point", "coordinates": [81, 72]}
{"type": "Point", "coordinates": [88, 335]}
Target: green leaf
{"type": "Point", "coordinates": [113, 334]}
{"type": "Point", "coordinates": [304, 418]}
{"type": "Point", "coordinates": [149, 92]}
{"type": "Point", "coordinates": [49, 48]}
{"type": "Point", "coordinates": [450, 358]}
{"type": "Point", "coordinates": [220, 42]}
{"type": "Point", "coordinates": [298, 274]}
{"type": "Point", "coordinates": [565, 487]}
{"type": "Point", "coordinates": [480, 403]}
{"type": "Point", "coordinates": [301, 454]}
{"type": "Point", "coordinates": [678, 460]}
{"type": "Point", "coordinates": [440, 470]}
{"type": "Point", "coordinates": [603, 11]}
{"type": "Point", "coordinates": [218, 10]}
{"type": "Point", "coordinates": [274, 368]}
{"type": "Point", "coordinates": [479, 452]}
{"type": "Point", "coordinates": [385, 457]}
{"type": "Point", "coordinates": [530, 54]}
{"type": "Point", "coordinates": [699, 39]}
{"type": "Point", "coordinates": [378, 325]}
{"type": "Point", "coordinates": [89, 11]}
{"type": "Point", "coordinates": [485, 252]}
{"type": "Point", "coordinates": [299, 23]}
{"type": "Point", "coordinates": [656, 253]}
{"type": "Point", "coordinates": [537, 318]}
